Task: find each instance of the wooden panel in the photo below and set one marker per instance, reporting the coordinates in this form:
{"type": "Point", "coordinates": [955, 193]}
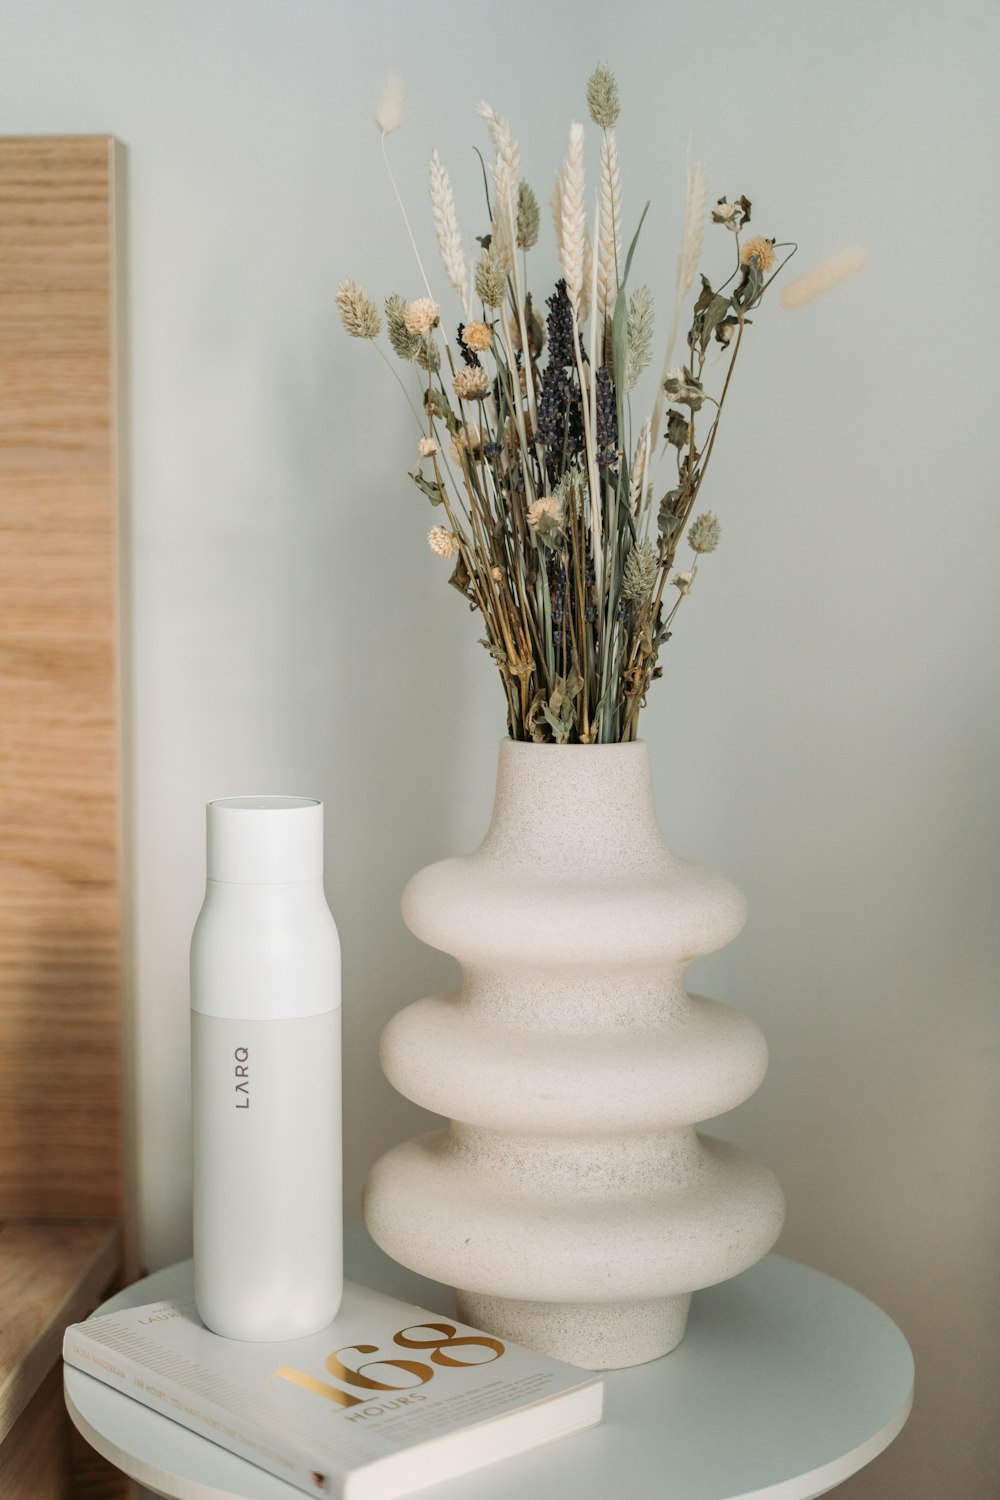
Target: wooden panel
{"type": "Point", "coordinates": [61, 1091]}
{"type": "Point", "coordinates": [47, 1459]}
{"type": "Point", "coordinates": [35, 1463]}
{"type": "Point", "coordinates": [50, 1275]}
{"type": "Point", "coordinates": [91, 1477]}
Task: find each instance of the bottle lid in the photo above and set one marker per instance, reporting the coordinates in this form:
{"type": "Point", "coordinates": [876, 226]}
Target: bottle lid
{"type": "Point", "coordinates": [265, 840]}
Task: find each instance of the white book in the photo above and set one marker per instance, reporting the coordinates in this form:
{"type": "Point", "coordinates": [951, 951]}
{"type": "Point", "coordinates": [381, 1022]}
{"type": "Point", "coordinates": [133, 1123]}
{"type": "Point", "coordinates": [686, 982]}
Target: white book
{"type": "Point", "coordinates": [388, 1399]}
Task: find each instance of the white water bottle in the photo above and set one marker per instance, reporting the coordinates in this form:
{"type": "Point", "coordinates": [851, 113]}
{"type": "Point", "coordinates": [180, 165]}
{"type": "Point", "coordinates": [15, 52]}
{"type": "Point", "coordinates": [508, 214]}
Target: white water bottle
{"type": "Point", "coordinates": [265, 1076]}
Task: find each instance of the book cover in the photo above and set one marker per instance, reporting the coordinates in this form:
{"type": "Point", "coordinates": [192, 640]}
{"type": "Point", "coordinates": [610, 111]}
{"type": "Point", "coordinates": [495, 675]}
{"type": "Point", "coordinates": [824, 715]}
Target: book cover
{"type": "Point", "coordinates": [388, 1399]}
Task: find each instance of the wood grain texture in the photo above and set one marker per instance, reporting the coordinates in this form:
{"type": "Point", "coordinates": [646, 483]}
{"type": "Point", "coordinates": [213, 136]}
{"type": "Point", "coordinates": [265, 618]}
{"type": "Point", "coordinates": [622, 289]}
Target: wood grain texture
{"type": "Point", "coordinates": [47, 1459]}
{"type": "Point", "coordinates": [50, 1275]}
{"type": "Point", "coordinates": [61, 1153]}
{"type": "Point", "coordinates": [91, 1477]}
{"type": "Point", "coordinates": [35, 1464]}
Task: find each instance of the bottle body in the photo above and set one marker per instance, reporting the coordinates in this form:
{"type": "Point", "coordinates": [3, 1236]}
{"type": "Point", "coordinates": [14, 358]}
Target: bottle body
{"type": "Point", "coordinates": [267, 1193]}
{"type": "Point", "coordinates": [266, 1093]}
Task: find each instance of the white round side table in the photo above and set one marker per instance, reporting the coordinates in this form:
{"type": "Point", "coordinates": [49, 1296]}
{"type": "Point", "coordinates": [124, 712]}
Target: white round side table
{"type": "Point", "coordinates": [787, 1382]}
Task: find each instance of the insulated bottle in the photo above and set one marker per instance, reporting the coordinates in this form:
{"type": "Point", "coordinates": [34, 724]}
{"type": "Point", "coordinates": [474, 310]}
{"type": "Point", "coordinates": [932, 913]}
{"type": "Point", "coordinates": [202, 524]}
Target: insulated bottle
{"type": "Point", "coordinates": [265, 1076]}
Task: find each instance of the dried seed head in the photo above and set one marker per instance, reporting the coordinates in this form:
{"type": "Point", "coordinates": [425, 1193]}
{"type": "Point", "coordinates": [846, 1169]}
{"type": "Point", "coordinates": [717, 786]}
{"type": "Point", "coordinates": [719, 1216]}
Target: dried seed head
{"type": "Point", "coordinates": [639, 573]}
{"type": "Point", "coordinates": [638, 335]}
{"type": "Point", "coordinates": [528, 217]}
{"type": "Point", "coordinates": [358, 312]}
{"type": "Point", "coordinates": [602, 97]}
{"type": "Point", "coordinates": [389, 109]}
{"type": "Point", "coordinates": [822, 277]}
{"type": "Point", "coordinates": [404, 343]}
{"type": "Point", "coordinates": [705, 532]}
{"type": "Point", "coordinates": [491, 279]}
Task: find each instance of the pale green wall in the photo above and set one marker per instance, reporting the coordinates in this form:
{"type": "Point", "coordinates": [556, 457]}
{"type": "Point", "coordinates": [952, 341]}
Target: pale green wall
{"type": "Point", "coordinates": [827, 727]}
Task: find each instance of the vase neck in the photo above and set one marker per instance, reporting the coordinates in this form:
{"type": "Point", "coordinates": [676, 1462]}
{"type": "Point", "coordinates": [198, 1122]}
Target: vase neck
{"type": "Point", "coordinates": [574, 809]}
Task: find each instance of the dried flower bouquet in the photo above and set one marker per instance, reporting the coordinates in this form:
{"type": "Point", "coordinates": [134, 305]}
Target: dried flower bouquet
{"type": "Point", "coordinates": [527, 442]}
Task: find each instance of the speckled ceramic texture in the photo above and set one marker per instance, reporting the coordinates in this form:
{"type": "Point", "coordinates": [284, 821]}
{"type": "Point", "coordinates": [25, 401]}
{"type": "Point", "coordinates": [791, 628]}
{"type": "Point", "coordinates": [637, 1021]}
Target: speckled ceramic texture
{"type": "Point", "coordinates": [570, 1201]}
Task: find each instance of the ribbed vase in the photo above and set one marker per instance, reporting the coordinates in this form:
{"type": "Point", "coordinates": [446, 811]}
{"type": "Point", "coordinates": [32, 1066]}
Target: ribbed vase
{"type": "Point", "coordinates": [570, 1201]}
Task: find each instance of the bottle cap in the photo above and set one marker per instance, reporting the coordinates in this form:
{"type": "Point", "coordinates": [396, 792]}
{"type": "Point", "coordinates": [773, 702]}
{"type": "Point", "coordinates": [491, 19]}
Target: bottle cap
{"type": "Point", "coordinates": [265, 840]}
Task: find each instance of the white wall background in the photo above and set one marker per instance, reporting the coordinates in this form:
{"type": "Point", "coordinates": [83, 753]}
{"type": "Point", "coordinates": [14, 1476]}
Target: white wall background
{"type": "Point", "coordinates": [827, 728]}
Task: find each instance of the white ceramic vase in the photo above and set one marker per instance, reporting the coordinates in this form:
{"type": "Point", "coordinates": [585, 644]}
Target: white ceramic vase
{"type": "Point", "coordinates": [570, 1201]}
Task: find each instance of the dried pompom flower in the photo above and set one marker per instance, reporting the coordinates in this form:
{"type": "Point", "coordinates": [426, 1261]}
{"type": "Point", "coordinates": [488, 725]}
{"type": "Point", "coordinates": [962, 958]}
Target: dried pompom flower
{"type": "Point", "coordinates": [548, 507]}
{"type": "Point", "coordinates": [472, 384]}
{"type": "Point", "coordinates": [467, 442]}
{"type": "Point", "coordinates": [478, 337]}
{"type": "Point", "coordinates": [491, 279]}
{"type": "Point", "coordinates": [421, 315]}
{"type": "Point", "coordinates": [704, 532]}
{"type": "Point", "coordinates": [821, 278]}
{"type": "Point", "coordinates": [639, 573]}
{"type": "Point", "coordinates": [389, 109]}
{"type": "Point", "coordinates": [602, 97]}
{"type": "Point", "coordinates": [442, 542]}
{"type": "Point", "coordinates": [428, 446]}
{"type": "Point", "coordinates": [528, 217]}
{"type": "Point", "coordinates": [358, 312]}
{"type": "Point", "coordinates": [761, 248]}
{"type": "Point", "coordinates": [683, 581]}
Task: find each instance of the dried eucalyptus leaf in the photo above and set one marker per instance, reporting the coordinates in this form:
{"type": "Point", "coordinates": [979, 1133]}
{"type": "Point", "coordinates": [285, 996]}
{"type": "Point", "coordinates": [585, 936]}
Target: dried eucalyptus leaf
{"type": "Point", "coordinates": [437, 403]}
{"type": "Point", "coordinates": [560, 730]}
{"type": "Point", "coordinates": [572, 683]}
{"type": "Point", "coordinates": [427, 354]}
{"type": "Point", "coordinates": [713, 315]}
{"type": "Point", "coordinates": [751, 286]}
{"type": "Point", "coordinates": [677, 429]}
{"type": "Point", "coordinates": [726, 329]}
{"type": "Point", "coordinates": [535, 719]}
{"type": "Point", "coordinates": [461, 578]}
{"type": "Point", "coordinates": [668, 522]}
{"type": "Point", "coordinates": [432, 488]}
{"type": "Point", "coordinates": [705, 295]}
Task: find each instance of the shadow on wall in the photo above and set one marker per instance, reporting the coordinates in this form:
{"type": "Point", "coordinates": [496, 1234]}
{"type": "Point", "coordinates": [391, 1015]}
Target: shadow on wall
{"type": "Point", "coordinates": [384, 703]}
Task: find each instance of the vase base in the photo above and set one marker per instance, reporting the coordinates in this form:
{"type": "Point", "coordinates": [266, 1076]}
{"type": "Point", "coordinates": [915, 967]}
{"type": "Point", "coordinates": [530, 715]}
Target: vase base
{"type": "Point", "coordinates": [594, 1335]}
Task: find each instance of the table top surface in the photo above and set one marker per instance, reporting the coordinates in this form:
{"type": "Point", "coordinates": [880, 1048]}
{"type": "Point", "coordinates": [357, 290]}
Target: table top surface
{"type": "Point", "coordinates": [786, 1383]}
